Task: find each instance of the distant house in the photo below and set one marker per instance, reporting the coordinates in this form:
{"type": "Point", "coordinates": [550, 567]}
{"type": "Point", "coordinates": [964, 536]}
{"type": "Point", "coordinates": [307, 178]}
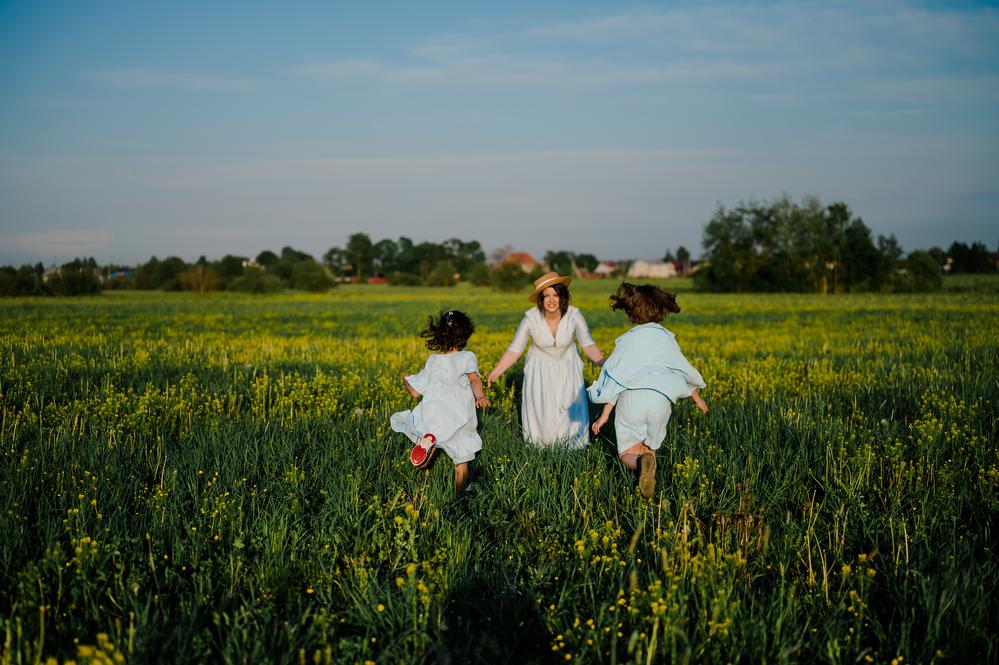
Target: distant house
{"type": "Point", "coordinates": [605, 269]}
{"type": "Point", "coordinates": [251, 263]}
{"type": "Point", "coordinates": [523, 259]}
{"type": "Point", "coordinates": [654, 270]}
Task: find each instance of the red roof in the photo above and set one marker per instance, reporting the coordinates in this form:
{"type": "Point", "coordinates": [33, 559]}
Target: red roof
{"type": "Point", "coordinates": [523, 258]}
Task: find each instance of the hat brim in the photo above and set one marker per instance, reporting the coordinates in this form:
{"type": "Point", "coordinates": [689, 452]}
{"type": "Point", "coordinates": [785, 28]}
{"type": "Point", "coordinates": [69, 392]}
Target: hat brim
{"type": "Point", "coordinates": [565, 279]}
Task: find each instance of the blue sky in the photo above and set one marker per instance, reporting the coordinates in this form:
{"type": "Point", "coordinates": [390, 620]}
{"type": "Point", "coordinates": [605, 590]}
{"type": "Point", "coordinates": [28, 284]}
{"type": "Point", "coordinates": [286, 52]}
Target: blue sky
{"type": "Point", "coordinates": [139, 128]}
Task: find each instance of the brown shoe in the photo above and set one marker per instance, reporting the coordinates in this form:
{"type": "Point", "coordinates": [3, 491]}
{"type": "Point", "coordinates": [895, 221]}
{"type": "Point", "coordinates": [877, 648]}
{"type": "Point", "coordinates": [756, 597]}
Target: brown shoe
{"type": "Point", "coordinates": [647, 474]}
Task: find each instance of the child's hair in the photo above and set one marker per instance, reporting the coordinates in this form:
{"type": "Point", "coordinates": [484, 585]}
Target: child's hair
{"type": "Point", "coordinates": [450, 331]}
{"type": "Point", "coordinates": [644, 303]}
{"type": "Point", "coordinates": [563, 298]}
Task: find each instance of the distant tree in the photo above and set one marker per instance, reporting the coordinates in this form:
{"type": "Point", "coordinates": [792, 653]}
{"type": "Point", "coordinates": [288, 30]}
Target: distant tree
{"type": "Point", "coordinates": [921, 272]}
{"type": "Point", "coordinates": [228, 268]}
{"type": "Point", "coordinates": [267, 258]}
{"type": "Point", "coordinates": [76, 278]}
{"type": "Point", "coordinates": [360, 251]}
{"type": "Point", "coordinates": [292, 255]}
{"type": "Point", "coordinates": [336, 261]}
{"type": "Point", "coordinates": [464, 255]}
{"type": "Point", "coordinates": [167, 273]}
{"type": "Point", "coordinates": [863, 265]}
{"type": "Point", "coordinates": [938, 255]}
{"type": "Point", "coordinates": [668, 256]}
{"type": "Point", "coordinates": [560, 261]}
{"type": "Point", "coordinates": [587, 262]}
{"type": "Point", "coordinates": [970, 259]}
{"type": "Point", "coordinates": [385, 255]}
{"type": "Point", "coordinates": [682, 254]}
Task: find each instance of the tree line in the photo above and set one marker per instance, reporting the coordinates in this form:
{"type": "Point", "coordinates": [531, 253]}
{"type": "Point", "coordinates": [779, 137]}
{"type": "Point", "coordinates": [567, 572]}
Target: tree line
{"type": "Point", "coordinates": [757, 246]}
{"type": "Point", "coordinates": [810, 247]}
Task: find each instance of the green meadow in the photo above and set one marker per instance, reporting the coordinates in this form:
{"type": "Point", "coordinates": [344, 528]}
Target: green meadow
{"type": "Point", "coordinates": [212, 478]}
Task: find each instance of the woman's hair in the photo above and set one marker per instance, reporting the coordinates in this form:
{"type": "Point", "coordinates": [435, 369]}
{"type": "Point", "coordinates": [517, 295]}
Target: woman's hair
{"type": "Point", "coordinates": [644, 303]}
{"type": "Point", "coordinates": [450, 330]}
{"type": "Point", "coordinates": [563, 298]}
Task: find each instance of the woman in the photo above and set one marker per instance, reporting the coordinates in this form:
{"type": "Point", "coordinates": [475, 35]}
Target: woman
{"type": "Point", "coordinates": [553, 406]}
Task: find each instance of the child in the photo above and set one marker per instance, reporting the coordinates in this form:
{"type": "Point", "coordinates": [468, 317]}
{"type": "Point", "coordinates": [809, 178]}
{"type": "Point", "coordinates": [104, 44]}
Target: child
{"type": "Point", "coordinates": [451, 389]}
{"type": "Point", "coordinates": [645, 376]}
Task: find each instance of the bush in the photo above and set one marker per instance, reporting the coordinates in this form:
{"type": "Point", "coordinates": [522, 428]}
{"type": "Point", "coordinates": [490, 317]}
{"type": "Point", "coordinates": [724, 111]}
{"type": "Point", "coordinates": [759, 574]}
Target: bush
{"type": "Point", "coordinates": [510, 277]}
{"type": "Point", "coordinates": [255, 280]}
{"type": "Point", "coordinates": [479, 275]}
{"type": "Point", "coordinates": [199, 279]}
{"type": "Point", "coordinates": [443, 274]}
{"type": "Point", "coordinates": [403, 279]}
{"type": "Point", "coordinates": [920, 273]}
{"type": "Point", "coordinates": [310, 276]}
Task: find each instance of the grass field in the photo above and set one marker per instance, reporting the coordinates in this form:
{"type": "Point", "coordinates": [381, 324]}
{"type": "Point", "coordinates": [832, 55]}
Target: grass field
{"type": "Point", "coordinates": [213, 478]}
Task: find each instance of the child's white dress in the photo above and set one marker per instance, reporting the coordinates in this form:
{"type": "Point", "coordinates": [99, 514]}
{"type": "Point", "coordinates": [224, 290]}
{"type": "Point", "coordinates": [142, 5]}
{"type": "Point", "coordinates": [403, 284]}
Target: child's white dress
{"type": "Point", "coordinates": [644, 376]}
{"type": "Point", "coordinates": [447, 406]}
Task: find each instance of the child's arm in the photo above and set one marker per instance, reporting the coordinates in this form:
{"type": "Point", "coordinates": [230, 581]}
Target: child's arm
{"type": "Point", "coordinates": [699, 401]}
{"type": "Point", "coordinates": [602, 420]}
{"type": "Point", "coordinates": [480, 394]}
{"type": "Point", "coordinates": [412, 391]}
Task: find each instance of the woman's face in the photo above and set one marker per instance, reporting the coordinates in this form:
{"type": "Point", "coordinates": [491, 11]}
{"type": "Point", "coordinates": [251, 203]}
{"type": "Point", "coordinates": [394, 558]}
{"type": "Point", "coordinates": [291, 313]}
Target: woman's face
{"type": "Point", "coordinates": [550, 300]}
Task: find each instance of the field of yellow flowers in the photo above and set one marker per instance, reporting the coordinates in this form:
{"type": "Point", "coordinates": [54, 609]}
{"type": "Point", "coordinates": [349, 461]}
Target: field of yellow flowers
{"type": "Point", "coordinates": [212, 478]}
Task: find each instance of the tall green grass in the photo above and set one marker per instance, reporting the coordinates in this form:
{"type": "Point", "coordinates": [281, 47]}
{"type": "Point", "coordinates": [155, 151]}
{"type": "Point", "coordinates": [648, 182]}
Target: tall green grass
{"type": "Point", "coordinates": [212, 479]}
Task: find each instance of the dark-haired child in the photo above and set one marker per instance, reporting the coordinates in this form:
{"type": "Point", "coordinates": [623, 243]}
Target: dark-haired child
{"type": "Point", "coordinates": [644, 377]}
{"type": "Point", "coordinates": [450, 386]}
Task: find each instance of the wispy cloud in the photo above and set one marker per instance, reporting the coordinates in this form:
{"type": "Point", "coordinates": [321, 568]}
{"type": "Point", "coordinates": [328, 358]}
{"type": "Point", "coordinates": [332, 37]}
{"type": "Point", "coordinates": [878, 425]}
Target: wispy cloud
{"type": "Point", "coordinates": [792, 45]}
{"type": "Point", "coordinates": [61, 243]}
{"type": "Point", "coordinates": [149, 79]}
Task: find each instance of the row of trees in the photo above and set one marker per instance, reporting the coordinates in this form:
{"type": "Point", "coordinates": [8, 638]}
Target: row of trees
{"type": "Point", "coordinates": [785, 246]}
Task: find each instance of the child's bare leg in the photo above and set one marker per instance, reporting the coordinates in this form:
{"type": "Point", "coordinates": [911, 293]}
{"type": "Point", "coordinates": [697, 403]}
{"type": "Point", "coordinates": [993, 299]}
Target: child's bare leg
{"type": "Point", "coordinates": [630, 457]}
{"type": "Point", "coordinates": [461, 476]}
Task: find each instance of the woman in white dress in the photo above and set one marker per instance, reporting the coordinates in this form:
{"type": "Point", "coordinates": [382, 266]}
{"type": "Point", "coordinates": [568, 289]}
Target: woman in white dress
{"type": "Point", "coordinates": [553, 409]}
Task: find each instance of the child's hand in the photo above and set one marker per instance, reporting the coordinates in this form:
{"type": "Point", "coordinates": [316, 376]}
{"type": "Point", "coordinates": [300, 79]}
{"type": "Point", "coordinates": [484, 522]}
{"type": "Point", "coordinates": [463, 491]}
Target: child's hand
{"type": "Point", "coordinates": [597, 424]}
{"type": "Point", "coordinates": [482, 402]}
{"type": "Point", "coordinates": [700, 403]}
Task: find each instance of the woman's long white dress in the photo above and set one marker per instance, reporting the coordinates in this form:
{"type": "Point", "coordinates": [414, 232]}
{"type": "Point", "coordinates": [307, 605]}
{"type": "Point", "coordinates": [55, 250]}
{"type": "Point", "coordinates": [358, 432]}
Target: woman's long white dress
{"type": "Point", "coordinates": [553, 408]}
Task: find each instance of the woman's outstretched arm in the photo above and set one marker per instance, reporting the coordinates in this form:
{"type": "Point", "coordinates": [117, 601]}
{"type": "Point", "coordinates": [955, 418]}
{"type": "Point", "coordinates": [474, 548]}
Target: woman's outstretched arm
{"type": "Point", "coordinates": [593, 353]}
{"type": "Point", "coordinates": [505, 362]}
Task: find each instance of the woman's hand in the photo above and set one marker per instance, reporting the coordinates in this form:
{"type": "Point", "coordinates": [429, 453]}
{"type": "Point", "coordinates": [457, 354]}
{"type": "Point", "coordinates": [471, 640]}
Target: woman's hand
{"type": "Point", "coordinates": [492, 376]}
{"type": "Point", "coordinates": [699, 401]}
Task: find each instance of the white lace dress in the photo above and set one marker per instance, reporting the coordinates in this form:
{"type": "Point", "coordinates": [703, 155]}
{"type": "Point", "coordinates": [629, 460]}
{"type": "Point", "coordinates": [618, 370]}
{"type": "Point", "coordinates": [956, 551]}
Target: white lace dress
{"type": "Point", "coordinates": [553, 409]}
{"type": "Point", "coordinates": [447, 406]}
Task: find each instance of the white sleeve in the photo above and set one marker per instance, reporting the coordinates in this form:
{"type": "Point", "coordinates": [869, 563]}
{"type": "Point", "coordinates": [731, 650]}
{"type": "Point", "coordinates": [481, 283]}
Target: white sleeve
{"type": "Point", "coordinates": [420, 380]}
{"type": "Point", "coordinates": [582, 331]}
{"type": "Point", "coordinates": [471, 363]}
{"type": "Point", "coordinates": [519, 342]}
{"type": "Point", "coordinates": [694, 378]}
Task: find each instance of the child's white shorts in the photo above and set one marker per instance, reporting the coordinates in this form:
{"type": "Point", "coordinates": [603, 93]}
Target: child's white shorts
{"type": "Point", "coordinates": [641, 415]}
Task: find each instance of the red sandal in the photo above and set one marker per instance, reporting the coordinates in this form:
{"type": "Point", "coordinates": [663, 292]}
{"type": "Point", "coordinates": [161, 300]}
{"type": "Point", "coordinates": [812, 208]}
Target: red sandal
{"type": "Point", "coordinates": [420, 456]}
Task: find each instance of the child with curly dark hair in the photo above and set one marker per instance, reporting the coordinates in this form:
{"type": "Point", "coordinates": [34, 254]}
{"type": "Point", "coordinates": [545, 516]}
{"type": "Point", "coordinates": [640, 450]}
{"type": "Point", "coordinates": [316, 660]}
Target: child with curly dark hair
{"type": "Point", "coordinates": [450, 386]}
{"type": "Point", "coordinates": [644, 378]}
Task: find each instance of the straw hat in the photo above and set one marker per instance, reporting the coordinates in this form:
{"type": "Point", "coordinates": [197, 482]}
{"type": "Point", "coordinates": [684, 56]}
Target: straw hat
{"type": "Point", "coordinates": [546, 280]}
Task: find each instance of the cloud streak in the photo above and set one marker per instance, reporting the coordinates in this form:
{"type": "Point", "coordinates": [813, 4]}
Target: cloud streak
{"type": "Point", "coordinates": [149, 79]}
